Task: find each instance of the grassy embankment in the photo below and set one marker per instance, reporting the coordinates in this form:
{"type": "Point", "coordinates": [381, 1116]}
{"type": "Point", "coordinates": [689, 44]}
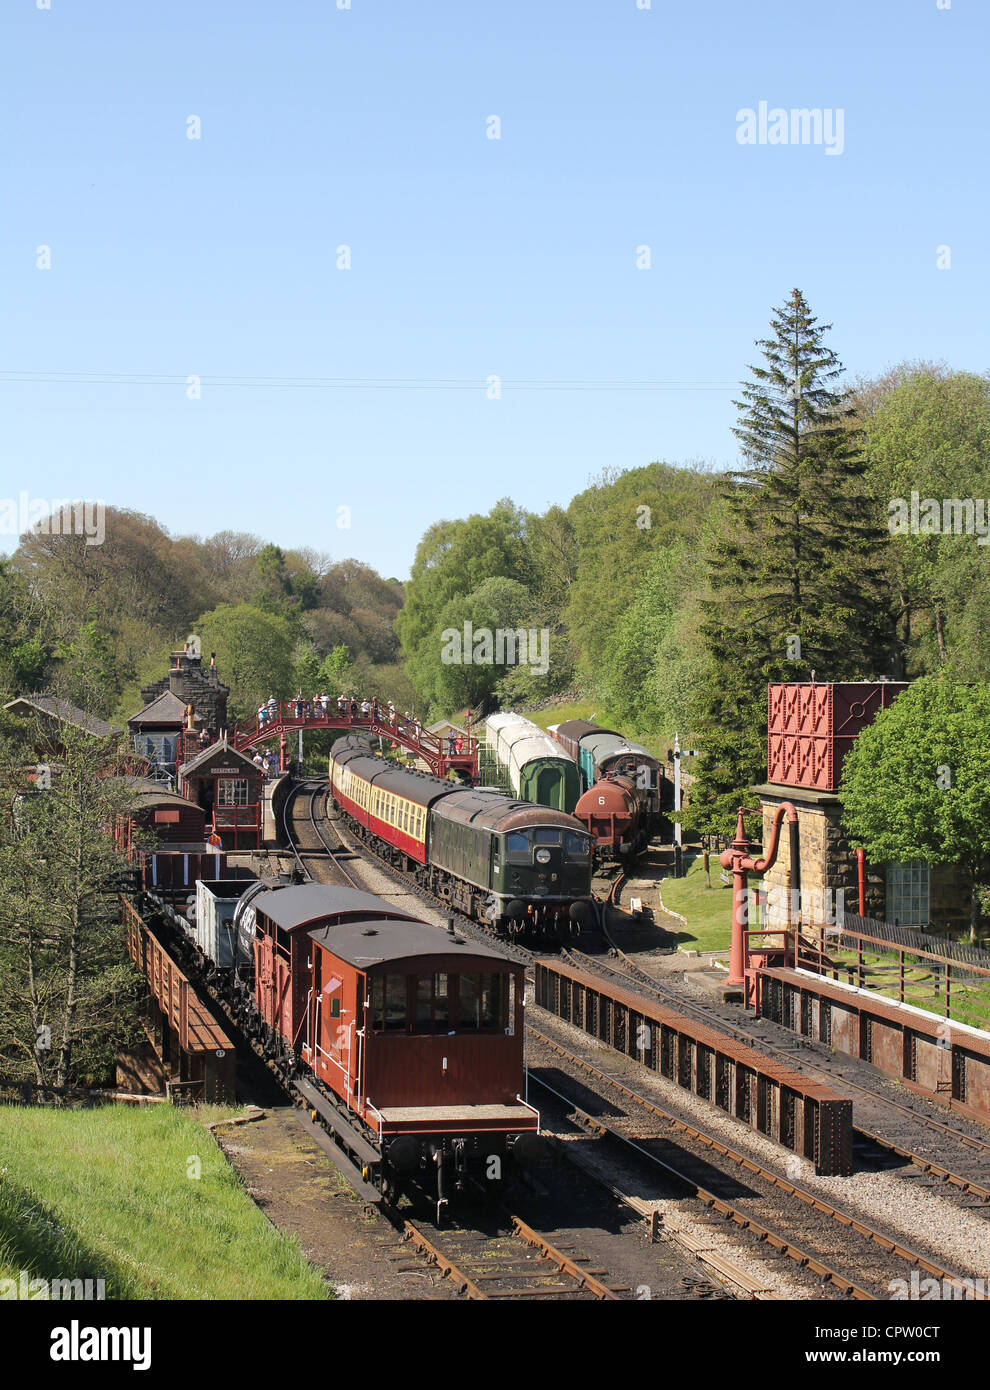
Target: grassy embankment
{"type": "Point", "coordinates": [112, 1194]}
{"type": "Point", "coordinates": [598, 714]}
{"type": "Point", "coordinates": [708, 910]}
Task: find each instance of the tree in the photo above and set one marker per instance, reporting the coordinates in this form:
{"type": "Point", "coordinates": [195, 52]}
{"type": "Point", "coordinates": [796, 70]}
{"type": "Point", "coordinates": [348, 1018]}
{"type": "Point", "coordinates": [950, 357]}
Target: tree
{"type": "Point", "coordinates": [916, 783]}
{"type": "Point", "coordinates": [795, 566]}
{"type": "Point", "coordinates": [337, 673]}
{"type": "Point", "coordinates": [451, 673]}
{"type": "Point", "coordinates": [619, 523]}
{"type": "Point", "coordinates": [452, 560]}
{"type": "Point", "coordinates": [928, 434]}
{"type": "Point", "coordinates": [255, 653]}
{"type": "Point", "coordinates": [67, 990]}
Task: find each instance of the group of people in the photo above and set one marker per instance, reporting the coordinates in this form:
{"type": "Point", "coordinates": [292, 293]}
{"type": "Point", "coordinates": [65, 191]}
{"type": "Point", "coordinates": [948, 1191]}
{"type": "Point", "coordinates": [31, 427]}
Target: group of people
{"type": "Point", "coordinates": [267, 763]}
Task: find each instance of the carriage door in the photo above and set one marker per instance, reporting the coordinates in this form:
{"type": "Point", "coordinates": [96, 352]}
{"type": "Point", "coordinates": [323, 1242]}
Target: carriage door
{"type": "Point", "coordinates": [266, 979]}
{"type": "Point", "coordinates": [338, 1032]}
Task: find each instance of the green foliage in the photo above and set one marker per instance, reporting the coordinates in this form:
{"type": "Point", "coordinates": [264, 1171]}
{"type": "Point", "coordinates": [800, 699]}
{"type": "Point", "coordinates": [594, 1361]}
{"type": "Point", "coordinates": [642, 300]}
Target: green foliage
{"type": "Point", "coordinates": [930, 434]}
{"type": "Point", "coordinates": [64, 974]}
{"type": "Point", "coordinates": [618, 524]}
{"type": "Point", "coordinates": [794, 560]}
{"type": "Point", "coordinates": [471, 679]}
{"type": "Point", "coordinates": [89, 671]}
{"type": "Point", "coordinates": [654, 661]}
{"type": "Point", "coordinates": [916, 783]}
{"type": "Point", "coordinates": [453, 560]}
{"type": "Point", "coordinates": [24, 655]}
{"type": "Point", "coordinates": [255, 653]}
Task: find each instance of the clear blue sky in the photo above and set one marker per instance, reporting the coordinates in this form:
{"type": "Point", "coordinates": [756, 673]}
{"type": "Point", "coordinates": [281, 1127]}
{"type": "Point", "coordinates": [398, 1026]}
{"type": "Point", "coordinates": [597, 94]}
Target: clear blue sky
{"type": "Point", "coordinates": [471, 257]}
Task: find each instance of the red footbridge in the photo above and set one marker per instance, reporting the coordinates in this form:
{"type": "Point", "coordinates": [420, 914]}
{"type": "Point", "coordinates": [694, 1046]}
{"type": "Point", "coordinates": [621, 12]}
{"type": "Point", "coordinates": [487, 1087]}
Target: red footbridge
{"type": "Point", "coordinates": [438, 752]}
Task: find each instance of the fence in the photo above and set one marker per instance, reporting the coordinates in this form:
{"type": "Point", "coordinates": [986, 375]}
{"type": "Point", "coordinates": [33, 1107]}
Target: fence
{"type": "Point", "coordinates": [911, 937]}
{"type": "Point", "coordinates": [951, 979]}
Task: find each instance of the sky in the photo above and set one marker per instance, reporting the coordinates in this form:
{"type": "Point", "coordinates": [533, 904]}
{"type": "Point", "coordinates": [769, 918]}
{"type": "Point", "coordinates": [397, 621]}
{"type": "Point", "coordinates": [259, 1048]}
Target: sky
{"type": "Point", "coordinates": [330, 272]}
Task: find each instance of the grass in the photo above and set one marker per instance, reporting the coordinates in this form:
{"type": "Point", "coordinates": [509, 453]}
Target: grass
{"type": "Point", "coordinates": [708, 910]}
{"type": "Point", "coordinates": [559, 714]}
{"type": "Point", "coordinates": [968, 1003]}
{"type": "Point", "coordinates": [112, 1193]}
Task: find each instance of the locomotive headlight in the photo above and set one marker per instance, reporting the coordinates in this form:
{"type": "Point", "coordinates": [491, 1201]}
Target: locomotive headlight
{"type": "Point", "coordinates": [543, 856]}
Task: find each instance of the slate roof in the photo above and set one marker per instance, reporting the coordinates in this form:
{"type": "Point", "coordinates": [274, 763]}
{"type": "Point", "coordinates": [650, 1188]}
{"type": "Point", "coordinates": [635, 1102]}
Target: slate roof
{"type": "Point", "coordinates": [221, 746]}
{"type": "Point", "coordinates": [164, 709]}
{"type": "Point", "coordinates": [298, 903]}
{"type": "Point", "coordinates": [63, 711]}
{"type": "Point", "coordinates": [369, 943]}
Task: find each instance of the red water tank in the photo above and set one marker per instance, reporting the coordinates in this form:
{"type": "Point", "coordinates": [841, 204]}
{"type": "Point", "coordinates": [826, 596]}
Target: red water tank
{"type": "Point", "coordinates": [812, 725]}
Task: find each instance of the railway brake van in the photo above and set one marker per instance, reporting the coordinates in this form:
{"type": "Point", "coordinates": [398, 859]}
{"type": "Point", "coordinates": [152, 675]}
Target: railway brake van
{"type": "Point", "coordinates": [411, 1033]}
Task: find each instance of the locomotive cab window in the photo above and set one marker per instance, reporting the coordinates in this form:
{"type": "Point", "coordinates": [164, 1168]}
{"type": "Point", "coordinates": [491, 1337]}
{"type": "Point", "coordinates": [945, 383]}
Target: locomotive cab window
{"type": "Point", "coordinates": [576, 846]}
{"type": "Point", "coordinates": [544, 835]}
{"type": "Point", "coordinates": [516, 842]}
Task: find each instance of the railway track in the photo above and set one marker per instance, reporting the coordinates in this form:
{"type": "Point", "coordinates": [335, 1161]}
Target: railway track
{"type": "Point", "coordinates": [875, 1145]}
{"type": "Point", "coordinates": [888, 1130]}
{"type": "Point", "coordinates": [510, 1261]}
{"type": "Point", "coordinates": [464, 924]}
{"type": "Point", "coordinates": [477, 1262]}
{"type": "Point", "coordinates": [804, 1223]}
{"type": "Point", "coordinates": [323, 849]}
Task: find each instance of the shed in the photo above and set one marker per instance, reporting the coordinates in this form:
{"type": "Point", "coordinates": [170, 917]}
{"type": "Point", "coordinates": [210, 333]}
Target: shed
{"type": "Point", "coordinates": [227, 785]}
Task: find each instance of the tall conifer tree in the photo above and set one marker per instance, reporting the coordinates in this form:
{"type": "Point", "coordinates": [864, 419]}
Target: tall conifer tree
{"type": "Point", "coordinates": [796, 573]}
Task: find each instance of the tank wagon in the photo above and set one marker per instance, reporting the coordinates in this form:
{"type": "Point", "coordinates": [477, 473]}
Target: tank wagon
{"type": "Point", "coordinates": [514, 867]}
{"type": "Point", "coordinates": [624, 787]}
{"type": "Point", "coordinates": [538, 769]}
{"type": "Point", "coordinates": [617, 813]}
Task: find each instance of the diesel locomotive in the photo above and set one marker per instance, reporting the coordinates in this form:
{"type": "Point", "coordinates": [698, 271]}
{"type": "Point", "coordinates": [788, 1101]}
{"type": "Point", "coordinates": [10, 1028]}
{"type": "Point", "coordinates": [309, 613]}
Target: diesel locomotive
{"type": "Point", "coordinates": [516, 868]}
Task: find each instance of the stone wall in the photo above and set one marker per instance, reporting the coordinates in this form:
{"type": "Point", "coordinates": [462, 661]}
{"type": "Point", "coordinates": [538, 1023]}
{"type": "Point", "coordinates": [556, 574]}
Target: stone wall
{"type": "Point", "coordinates": [193, 686]}
{"type": "Point", "coordinates": [828, 862]}
{"type": "Point", "coordinates": [829, 865]}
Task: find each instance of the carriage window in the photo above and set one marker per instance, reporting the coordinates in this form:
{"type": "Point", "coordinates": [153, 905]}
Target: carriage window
{"type": "Point", "coordinates": [469, 990]}
{"type": "Point", "coordinates": [395, 1003]}
{"type": "Point", "coordinates": [542, 835]}
{"type": "Point", "coordinates": [441, 1004]}
{"type": "Point", "coordinates": [424, 1004]}
{"type": "Point", "coordinates": [491, 1002]}
{"type": "Point", "coordinates": [481, 1001]}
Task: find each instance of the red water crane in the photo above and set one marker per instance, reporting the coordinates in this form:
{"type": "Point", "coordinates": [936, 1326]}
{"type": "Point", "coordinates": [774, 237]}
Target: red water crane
{"type": "Point", "coordinates": [741, 862]}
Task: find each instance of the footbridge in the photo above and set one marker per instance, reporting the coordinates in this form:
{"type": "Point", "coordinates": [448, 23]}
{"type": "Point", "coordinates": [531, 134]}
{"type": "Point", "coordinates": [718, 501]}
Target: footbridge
{"type": "Point", "coordinates": [440, 754]}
